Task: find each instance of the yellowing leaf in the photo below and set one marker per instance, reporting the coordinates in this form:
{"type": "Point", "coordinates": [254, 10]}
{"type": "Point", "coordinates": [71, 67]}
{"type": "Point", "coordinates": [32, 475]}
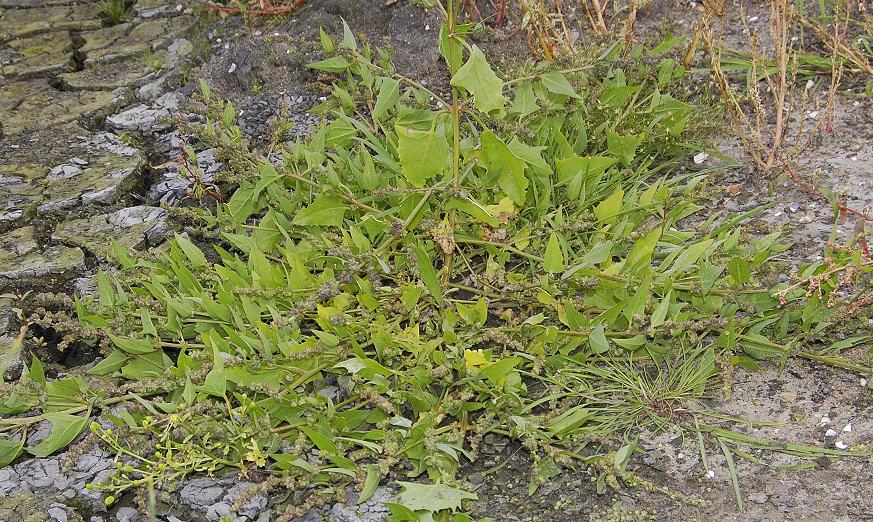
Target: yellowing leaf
{"type": "Point", "coordinates": [475, 359]}
{"type": "Point", "coordinates": [504, 210]}
{"type": "Point", "coordinates": [477, 78]}
{"type": "Point", "coordinates": [609, 207]}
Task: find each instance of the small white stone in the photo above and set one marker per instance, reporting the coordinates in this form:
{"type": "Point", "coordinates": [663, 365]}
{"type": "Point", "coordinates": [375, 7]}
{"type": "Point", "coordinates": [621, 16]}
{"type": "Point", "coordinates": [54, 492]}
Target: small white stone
{"type": "Point", "coordinates": [830, 433]}
{"type": "Point", "coordinates": [178, 7]}
{"type": "Point", "coordinates": [231, 68]}
{"type": "Point", "coordinates": [812, 115]}
{"type": "Point", "coordinates": [810, 84]}
{"type": "Point", "coordinates": [824, 420]}
{"type": "Point", "coordinates": [863, 381]}
{"type": "Point", "coordinates": [848, 428]}
{"type": "Point", "coordinates": [854, 158]}
{"type": "Point", "coordinates": [753, 18]}
{"type": "Point", "coordinates": [841, 445]}
{"type": "Point", "coordinates": [427, 27]}
{"type": "Point", "coordinates": [710, 474]}
{"type": "Point", "coordinates": [700, 157]}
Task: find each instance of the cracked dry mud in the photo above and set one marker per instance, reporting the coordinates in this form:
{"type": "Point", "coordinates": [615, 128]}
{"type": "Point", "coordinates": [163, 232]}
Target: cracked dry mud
{"type": "Point", "coordinates": [84, 118]}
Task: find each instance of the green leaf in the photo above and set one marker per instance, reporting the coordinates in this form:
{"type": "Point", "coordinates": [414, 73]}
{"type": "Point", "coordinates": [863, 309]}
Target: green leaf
{"type": "Point", "coordinates": [474, 314]}
{"type": "Point", "coordinates": [636, 306]}
{"type": "Point", "coordinates": [739, 270]}
{"type": "Point", "coordinates": [498, 370]}
{"type": "Point", "coordinates": [554, 257]}
{"type": "Point", "coordinates": [525, 102]}
{"type": "Point", "coordinates": [10, 450]}
{"type": "Point", "coordinates": [617, 97]}
{"type": "Point", "coordinates": [623, 147]}
{"type": "Point", "coordinates": [326, 42]}
{"type": "Point", "coordinates": [597, 340]}
{"type": "Point", "coordinates": [432, 497]}
{"type": "Point", "coordinates": [37, 372]}
{"type": "Point", "coordinates": [576, 172]}
{"type": "Point", "coordinates": [599, 253]}
{"type": "Point", "coordinates": [326, 210]}
{"type": "Point", "coordinates": [133, 346]}
{"type": "Point", "coordinates": [533, 156]}
{"type": "Point", "coordinates": [195, 255]}
{"type": "Point", "coordinates": [334, 64]}
{"type": "Point", "coordinates": [428, 274]}
{"type": "Point", "coordinates": [556, 83]}
{"type": "Point", "coordinates": [478, 79]}
{"type": "Point", "coordinates": [660, 312]}
{"type": "Point", "coordinates": [609, 207]}
{"type": "Point", "coordinates": [689, 256]}
{"type": "Point", "coordinates": [499, 161]}
{"type": "Point", "coordinates": [65, 428]}
{"type": "Point", "coordinates": [410, 297]}
{"type": "Point", "coordinates": [111, 363]}
{"type": "Point", "coordinates": [759, 347]}
{"type": "Point", "coordinates": [569, 421]}
{"type": "Point", "coordinates": [322, 442]}
{"type": "Point", "coordinates": [423, 154]}
{"type": "Point", "coordinates": [389, 93]}
{"type": "Point", "coordinates": [546, 469]}
{"type": "Point", "coordinates": [370, 483]}
{"type": "Point", "coordinates": [216, 381]}
{"type": "Point", "coordinates": [641, 254]}
{"type": "Point", "coordinates": [349, 41]}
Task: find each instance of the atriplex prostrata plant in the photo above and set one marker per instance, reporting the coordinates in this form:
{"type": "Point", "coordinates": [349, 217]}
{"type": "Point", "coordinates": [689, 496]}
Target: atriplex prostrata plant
{"type": "Point", "coordinates": [424, 270]}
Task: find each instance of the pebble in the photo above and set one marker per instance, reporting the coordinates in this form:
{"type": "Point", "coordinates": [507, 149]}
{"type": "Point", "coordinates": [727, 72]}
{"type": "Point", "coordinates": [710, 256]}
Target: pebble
{"type": "Point", "coordinates": [831, 433]}
{"type": "Point", "coordinates": [841, 445]}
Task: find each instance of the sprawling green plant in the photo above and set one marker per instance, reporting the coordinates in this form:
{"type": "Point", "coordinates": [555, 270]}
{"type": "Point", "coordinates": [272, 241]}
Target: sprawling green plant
{"type": "Point", "coordinates": [424, 269]}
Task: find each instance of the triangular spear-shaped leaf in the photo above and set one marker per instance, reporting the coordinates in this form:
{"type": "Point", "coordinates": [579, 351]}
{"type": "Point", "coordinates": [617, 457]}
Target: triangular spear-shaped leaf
{"type": "Point", "coordinates": [326, 210]}
{"type": "Point", "coordinates": [499, 160]}
{"type": "Point", "coordinates": [478, 79]}
{"type": "Point", "coordinates": [554, 258]}
{"type": "Point", "coordinates": [428, 274]}
{"type": "Point", "coordinates": [423, 154]}
{"type": "Point", "coordinates": [432, 497]}
{"type": "Point", "coordinates": [65, 428]}
{"type": "Point", "coordinates": [9, 450]}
